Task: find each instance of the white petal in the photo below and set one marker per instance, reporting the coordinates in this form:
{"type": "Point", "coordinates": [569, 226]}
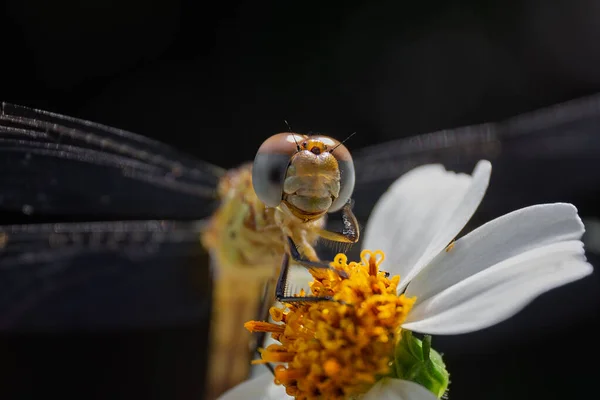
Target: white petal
{"type": "Point", "coordinates": [496, 241]}
{"type": "Point", "coordinates": [500, 291]}
{"type": "Point", "coordinates": [421, 213]}
{"type": "Point", "coordinates": [259, 388]}
{"type": "Point", "coordinates": [398, 389]}
{"type": "Point", "coordinates": [494, 246]}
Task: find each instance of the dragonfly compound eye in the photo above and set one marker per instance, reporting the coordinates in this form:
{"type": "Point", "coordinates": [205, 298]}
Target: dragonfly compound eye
{"type": "Point", "coordinates": [346, 165]}
{"type": "Point", "coordinates": [271, 164]}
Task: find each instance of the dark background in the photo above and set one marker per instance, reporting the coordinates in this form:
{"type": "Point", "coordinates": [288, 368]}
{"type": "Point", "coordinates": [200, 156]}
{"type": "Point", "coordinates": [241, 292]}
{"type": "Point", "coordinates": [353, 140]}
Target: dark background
{"type": "Point", "coordinates": [215, 79]}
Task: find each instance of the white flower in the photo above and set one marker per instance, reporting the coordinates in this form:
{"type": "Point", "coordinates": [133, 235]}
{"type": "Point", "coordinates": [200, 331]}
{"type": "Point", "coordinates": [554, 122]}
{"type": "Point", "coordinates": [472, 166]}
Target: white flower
{"type": "Point", "coordinates": [263, 388]}
{"type": "Point", "coordinates": [486, 276]}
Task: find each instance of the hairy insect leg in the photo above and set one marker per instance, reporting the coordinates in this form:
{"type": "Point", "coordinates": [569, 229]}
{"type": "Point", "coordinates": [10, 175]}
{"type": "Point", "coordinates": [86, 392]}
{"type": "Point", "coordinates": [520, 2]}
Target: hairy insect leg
{"type": "Point", "coordinates": [351, 231]}
{"type": "Point", "coordinates": [298, 259]}
{"type": "Point", "coordinates": [282, 284]}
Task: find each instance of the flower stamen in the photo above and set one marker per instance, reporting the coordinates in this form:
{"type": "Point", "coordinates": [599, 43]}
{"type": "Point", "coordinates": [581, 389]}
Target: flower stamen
{"type": "Point", "coordinates": [261, 326]}
{"type": "Point", "coordinates": [338, 349]}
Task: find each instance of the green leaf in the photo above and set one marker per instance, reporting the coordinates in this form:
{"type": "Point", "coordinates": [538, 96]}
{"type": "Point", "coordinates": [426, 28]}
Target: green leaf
{"type": "Point", "coordinates": [415, 360]}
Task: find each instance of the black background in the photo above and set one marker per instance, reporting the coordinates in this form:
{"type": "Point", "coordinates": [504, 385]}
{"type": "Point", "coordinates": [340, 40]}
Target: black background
{"type": "Point", "coordinates": [215, 79]}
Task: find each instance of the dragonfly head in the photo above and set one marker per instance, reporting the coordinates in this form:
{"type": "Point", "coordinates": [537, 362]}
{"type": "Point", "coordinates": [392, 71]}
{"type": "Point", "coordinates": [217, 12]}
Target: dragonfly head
{"type": "Point", "coordinates": [311, 174]}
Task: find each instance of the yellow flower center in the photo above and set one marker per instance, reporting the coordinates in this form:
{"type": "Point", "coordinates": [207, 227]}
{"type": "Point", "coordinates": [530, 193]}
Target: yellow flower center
{"type": "Point", "coordinates": [337, 349]}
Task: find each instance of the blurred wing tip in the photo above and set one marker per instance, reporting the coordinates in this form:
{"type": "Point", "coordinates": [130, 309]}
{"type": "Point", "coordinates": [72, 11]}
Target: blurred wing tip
{"type": "Point", "coordinates": [7, 108]}
{"type": "Point", "coordinates": [5, 105]}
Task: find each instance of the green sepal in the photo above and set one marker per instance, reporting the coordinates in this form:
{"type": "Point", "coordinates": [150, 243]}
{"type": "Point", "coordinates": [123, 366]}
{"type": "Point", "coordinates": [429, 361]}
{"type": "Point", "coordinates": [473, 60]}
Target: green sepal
{"type": "Point", "coordinates": [416, 361]}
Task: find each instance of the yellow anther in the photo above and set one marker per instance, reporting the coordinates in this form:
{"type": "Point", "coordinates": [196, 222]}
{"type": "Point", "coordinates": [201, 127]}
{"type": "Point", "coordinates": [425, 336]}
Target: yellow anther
{"type": "Point", "coordinates": [337, 349]}
{"type": "Point", "coordinates": [277, 353]}
{"type": "Point", "coordinates": [332, 367]}
{"type": "Point", "coordinates": [260, 326]}
{"type": "Point", "coordinates": [277, 314]}
{"type": "Point", "coordinates": [340, 260]}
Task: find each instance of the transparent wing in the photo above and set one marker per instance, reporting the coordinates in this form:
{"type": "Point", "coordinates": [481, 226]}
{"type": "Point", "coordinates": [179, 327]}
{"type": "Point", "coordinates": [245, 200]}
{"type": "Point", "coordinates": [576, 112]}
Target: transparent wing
{"type": "Point", "coordinates": [550, 155]}
{"type": "Point", "coordinates": [543, 156]}
{"type": "Point", "coordinates": [57, 165]}
{"type": "Point", "coordinates": [102, 275]}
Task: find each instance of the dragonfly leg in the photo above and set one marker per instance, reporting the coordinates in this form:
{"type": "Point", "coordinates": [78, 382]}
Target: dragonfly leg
{"type": "Point", "coordinates": [271, 369]}
{"type": "Point", "coordinates": [280, 289]}
{"type": "Point", "coordinates": [350, 233]}
{"type": "Point", "coordinates": [298, 259]}
{"type": "Point", "coordinates": [268, 365]}
{"type": "Point", "coordinates": [263, 315]}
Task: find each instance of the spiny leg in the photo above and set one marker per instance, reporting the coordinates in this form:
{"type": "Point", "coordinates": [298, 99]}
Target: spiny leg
{"type": "Point", "coordinates": [350, 233]}
{"type": "Point", "coordinates": [280, 295]}
{"type": "Point", "coordinates": [280, 289]}
{"type": "Point", "coordinates": [298, 259]}
{"type": "Point", "coordinates": [282, 283]}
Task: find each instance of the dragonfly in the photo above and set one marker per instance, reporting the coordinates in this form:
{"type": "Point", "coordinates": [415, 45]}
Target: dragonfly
{"type": "Point", "coordinates": [140, 262]}
{"type": "Point", "coordinates": [274, 206]}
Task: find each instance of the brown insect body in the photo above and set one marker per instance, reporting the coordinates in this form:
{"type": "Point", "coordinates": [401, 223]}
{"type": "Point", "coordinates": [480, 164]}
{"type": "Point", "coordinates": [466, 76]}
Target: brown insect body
{"type": "Point", "coordinates": [247, 239]}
